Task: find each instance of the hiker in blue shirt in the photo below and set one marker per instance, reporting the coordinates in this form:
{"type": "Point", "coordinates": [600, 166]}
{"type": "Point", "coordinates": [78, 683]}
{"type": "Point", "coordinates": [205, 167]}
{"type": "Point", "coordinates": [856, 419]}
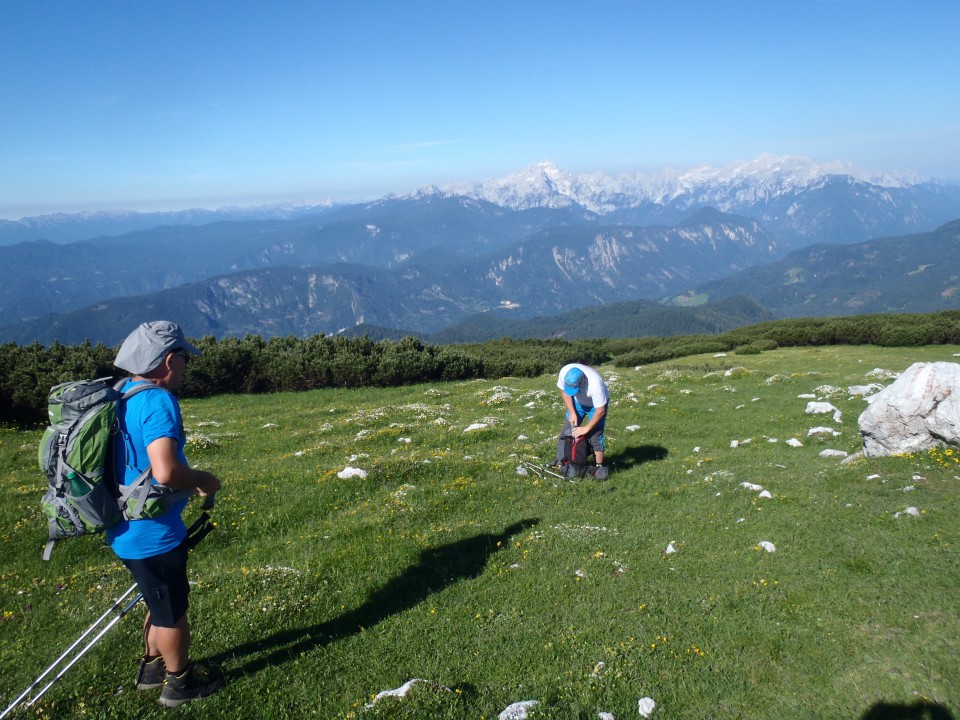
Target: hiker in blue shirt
{"type": "Point", "coordinates": [153, 549]}
{"type": "Point", "coordinates": [586, 398]}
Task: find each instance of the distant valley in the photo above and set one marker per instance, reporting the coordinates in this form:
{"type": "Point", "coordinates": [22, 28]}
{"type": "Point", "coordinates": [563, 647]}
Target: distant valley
{"type": "Point", "coordinates": [504, 258]}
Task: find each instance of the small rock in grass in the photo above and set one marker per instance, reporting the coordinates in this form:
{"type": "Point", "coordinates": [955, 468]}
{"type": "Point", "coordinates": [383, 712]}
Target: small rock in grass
{"type": "Point", "coordinates": [646, 706]}
{"type": "Point", "coordinates": [349, 472]}
{"type": "Point", "coordinates": [402, 690]}
{"type": "Point", "coordinates": [819, 408]}
{"type": "Point", "coordinates": [768, 546]}
{"type": "Point", "coordinates": [518, 710]}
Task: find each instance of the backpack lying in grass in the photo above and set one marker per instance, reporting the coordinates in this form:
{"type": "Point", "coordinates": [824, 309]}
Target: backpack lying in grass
{"type": "Point", "coordinates": [575, 451]}
{"type": "Point", "coordinates": [76, 455]}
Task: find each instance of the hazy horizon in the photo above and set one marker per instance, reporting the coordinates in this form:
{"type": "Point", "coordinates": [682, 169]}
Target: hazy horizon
{"type": "Point", "coordinates": [162, 107]}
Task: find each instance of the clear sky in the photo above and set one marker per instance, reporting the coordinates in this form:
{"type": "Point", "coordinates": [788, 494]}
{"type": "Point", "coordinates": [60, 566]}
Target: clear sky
{"type": "Point", "coordinates": [195, 103]}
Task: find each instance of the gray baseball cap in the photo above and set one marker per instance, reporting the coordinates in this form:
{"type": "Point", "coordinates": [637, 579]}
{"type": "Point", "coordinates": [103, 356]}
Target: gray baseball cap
{"type": "Point", "coordinates": [147, 346]}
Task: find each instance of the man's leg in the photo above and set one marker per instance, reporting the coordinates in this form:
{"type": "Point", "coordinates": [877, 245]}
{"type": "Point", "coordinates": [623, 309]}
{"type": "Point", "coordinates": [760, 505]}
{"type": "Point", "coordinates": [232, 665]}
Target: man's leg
{"type": "Point", "coordinates": [173, 643]}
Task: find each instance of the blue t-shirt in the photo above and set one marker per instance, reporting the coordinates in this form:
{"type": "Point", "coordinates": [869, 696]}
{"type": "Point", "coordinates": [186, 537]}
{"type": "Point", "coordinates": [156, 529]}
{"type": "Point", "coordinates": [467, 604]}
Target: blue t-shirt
{"type": "Point", "coordinates": [143, 418]}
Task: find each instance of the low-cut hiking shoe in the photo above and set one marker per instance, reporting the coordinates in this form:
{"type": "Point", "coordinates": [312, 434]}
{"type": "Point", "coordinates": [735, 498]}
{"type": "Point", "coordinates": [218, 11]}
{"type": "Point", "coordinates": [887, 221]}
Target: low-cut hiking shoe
{"type": "Point", "coordinates": [197, 681]}
{"type": "Point", "coordinates": [601, 472]}
{"type": "Point", "coordinates": [150, 674]}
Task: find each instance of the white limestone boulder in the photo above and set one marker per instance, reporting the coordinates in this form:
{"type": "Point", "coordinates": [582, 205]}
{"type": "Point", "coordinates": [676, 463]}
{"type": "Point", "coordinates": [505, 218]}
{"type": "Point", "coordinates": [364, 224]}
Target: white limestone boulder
{"type": "Point", "coordinates": [919, 411]}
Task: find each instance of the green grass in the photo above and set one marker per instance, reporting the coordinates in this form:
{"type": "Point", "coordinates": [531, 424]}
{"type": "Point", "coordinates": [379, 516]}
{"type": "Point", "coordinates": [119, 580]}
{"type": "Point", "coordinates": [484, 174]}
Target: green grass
{"type": "Point", "coordinates": [444, 563]}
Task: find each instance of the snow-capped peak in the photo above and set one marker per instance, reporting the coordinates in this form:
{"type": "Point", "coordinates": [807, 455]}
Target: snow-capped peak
{"type": "Point", "coordinates": [767, 176]}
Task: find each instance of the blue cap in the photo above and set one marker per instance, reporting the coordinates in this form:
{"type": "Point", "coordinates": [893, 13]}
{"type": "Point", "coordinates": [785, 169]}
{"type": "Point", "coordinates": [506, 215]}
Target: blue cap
{"type": "Point", "coordinates": [572, 380]}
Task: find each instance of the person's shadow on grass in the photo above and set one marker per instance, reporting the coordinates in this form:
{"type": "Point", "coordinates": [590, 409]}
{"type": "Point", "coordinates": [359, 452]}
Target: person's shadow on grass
{"type": "Point", "coordinates": [629, 457]}
{"type": "Point", "coordinates": [436, 569]}
{"type": "Point", "coordinates": [916, 711]}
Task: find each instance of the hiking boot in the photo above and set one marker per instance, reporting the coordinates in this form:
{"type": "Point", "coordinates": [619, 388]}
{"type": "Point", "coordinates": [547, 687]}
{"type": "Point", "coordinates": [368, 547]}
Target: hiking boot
{"type": "Point", "coordinates": [197, 681]}
{"type": "Point", "coordinates": [151, 673]}
{"type": "Point", "coordinates": [601, 472]}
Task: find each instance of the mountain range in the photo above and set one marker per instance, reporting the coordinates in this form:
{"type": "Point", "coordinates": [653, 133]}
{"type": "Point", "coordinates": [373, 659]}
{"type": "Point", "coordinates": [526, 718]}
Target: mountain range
{"type": "Point", "coordinates": [538, 243]}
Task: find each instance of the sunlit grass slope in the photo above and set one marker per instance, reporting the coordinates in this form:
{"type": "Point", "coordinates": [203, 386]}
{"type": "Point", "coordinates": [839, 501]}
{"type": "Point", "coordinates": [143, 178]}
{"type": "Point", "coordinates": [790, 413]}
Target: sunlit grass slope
{"type": "Point", "coordinates": [366, 538]}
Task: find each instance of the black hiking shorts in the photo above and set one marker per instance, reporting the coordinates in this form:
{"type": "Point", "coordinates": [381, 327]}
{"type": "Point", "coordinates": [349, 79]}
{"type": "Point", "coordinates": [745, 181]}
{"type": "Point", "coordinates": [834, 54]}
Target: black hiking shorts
{"type": "Point", "coordinates": [163, 581]}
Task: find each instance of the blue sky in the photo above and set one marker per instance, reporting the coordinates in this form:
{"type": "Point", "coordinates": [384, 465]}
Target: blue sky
{"type": "Point", "coordinates": [162, 105]}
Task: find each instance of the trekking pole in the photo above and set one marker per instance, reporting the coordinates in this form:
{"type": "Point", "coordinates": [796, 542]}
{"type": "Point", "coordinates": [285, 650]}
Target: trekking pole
{"type": "Point", "coordinates": [86, 647]}
{"type": "Point", "coordinates": [195, 533]}
{"type": "Point", "coordinates": [540, 469]}
{"type": "Point", "coordinates": [70, 649]}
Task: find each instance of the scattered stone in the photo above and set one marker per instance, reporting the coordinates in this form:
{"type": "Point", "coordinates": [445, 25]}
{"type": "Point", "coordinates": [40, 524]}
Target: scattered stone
{"type": "Point", "coordinates": [646, 706]}
{"type": "Point", "coordinates": [401, 691]}
{"type": "Point", "coordinates": [670, 549]}
{"type": "Point", "coordinates": [833, 453]}
{"type": "Point", "coordinates": [768, 546]}
{"type": "Point", "coordinates": [856, 390]}
{"type": "Point", "coordinates": [766, 495]}
{"type": "Point", "coordinates": [881, 374]}
{"type": "Point", "coordinates": [918, 412]}
{"type": "Point", "coordinates": [909, 511]}
{"type": "Point", "coordinates": [793, 442]}
{"type": "Point", "coordinates": [349, 472]}
{"type": "Point", "coordinates": [522, 471]}
{"type": "Point", "coordinates": [751, 486]}
{"type": "Point", "coordinates": [821, 430]}
{"type": "Point", "coordinates": [475, 426]}
{"type": "Point", "coordinates": [820, 408]}
{"type": "Point", "coordinates": [633, 428]}
{"type": "Point", "coordinates": [518, 710]}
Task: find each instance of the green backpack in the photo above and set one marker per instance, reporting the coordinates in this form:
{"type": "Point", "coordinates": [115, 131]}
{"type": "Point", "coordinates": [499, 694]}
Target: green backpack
{"type": "Point", "coordinates": [76, 455]}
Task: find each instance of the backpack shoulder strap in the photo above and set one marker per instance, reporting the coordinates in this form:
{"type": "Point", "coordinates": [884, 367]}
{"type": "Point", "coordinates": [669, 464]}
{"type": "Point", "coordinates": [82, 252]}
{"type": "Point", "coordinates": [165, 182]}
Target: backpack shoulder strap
{"type": "Point", "coordinates": [138, 388]}
{"type": "Point", "coordinates": [134, 496]}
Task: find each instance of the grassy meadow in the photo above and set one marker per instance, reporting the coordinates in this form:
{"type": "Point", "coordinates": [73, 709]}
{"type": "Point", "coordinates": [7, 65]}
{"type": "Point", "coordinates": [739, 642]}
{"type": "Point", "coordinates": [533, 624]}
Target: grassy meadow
{"type": "Point", "coordinates": [369, 537]}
